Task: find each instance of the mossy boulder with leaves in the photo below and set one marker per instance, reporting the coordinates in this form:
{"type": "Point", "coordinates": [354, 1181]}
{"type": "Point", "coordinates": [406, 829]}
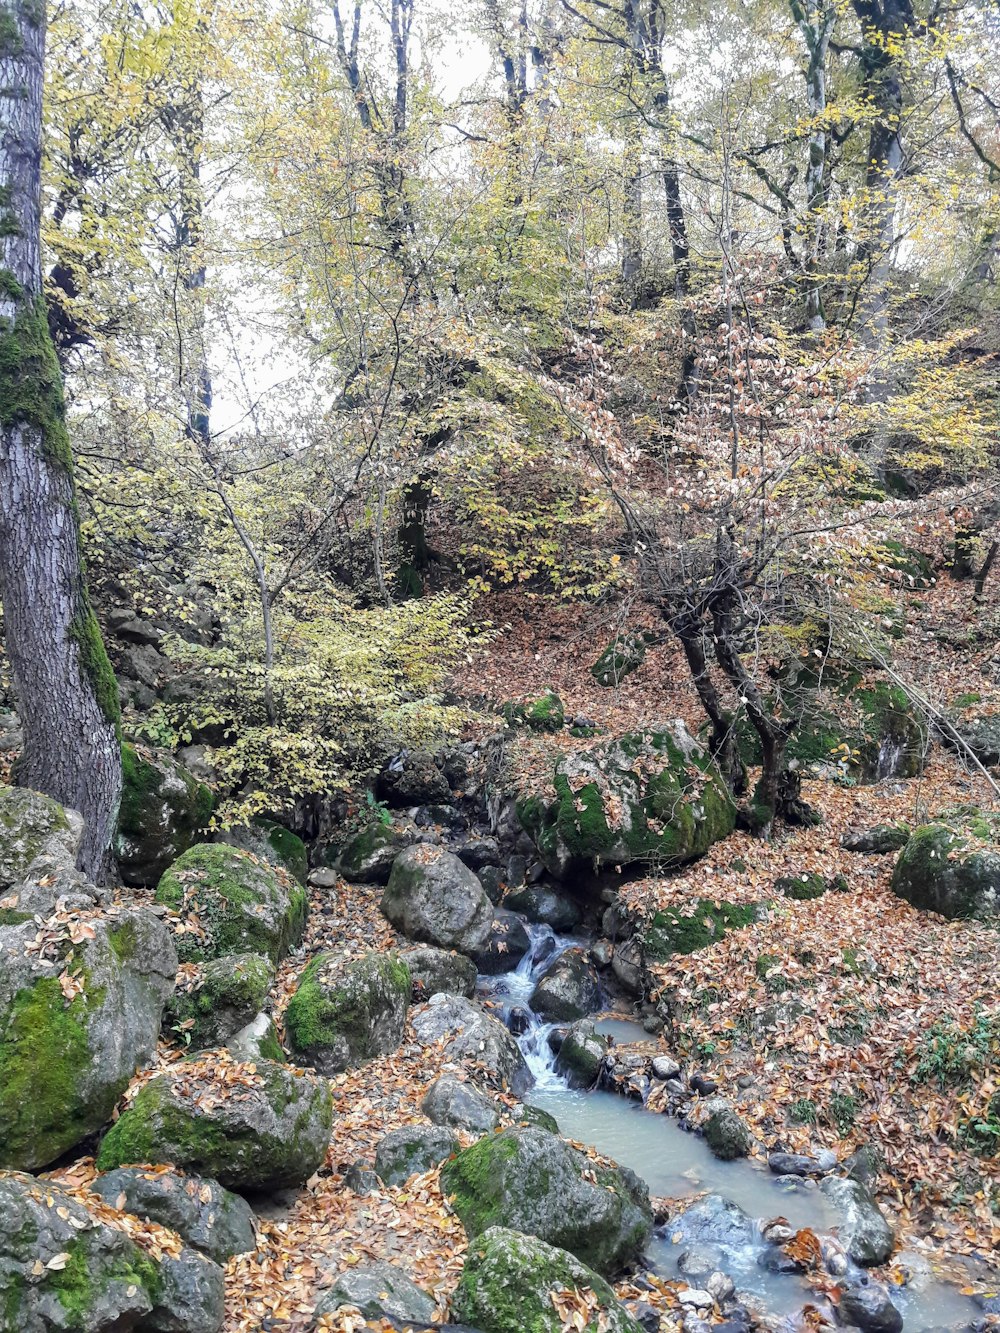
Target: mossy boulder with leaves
{"type": "Point", "coordinates": [34, 829]}
{"type": "Point", "coordinates": [229, 901]}
{"type": "Point", "coordinates": [623, 655]}
{"type": "Point", "coordinates": [367, 856]}
{"type": "Point", "coordinates": [530, 1180]}
{"type": "Point", "coordinates": [164, 811]}
{"type": "Point", "coordinates": [248, 1126]}
{"type": "Point", "coordinates": [76, 1023]}
{"type": "Point", "coordinates": [513, 1283]}
{"type": "Point", "coordinates": [546, 713]}
{"type": "Point", "coordinates": [952, 868]}
{"type": "Point", "coordinates": [699, 924]}
{"type": "Point", "coordinates": [654, 797]}
{"type": "Point", "coordinates": [222, 999]}
{"type": "Point", "coordinates": [347, 1011]}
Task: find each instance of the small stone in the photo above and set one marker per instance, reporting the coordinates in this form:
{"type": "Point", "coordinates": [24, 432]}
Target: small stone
{"type": "Point", "coordinates": [647, 1317]}
{"type": "Point", "coordinates": [720, 1286]}
{"type": "Point", "coordinates": [323, 878]}
{"type": "Point", "coordinates": [867, 1306]}
{"type": "Point", "coordinates": [361, 1180]}
{"type": "Point", "coordinates": [702, 1084]}
{"type": "Point", "coordinates": [601, 953]}
{"type": "Point", "coordinates": [665, 1066]}
{"type": "Point", "coordinates": [776, 1233]}
{"type": "Point", "coordinates": [694, 1299]}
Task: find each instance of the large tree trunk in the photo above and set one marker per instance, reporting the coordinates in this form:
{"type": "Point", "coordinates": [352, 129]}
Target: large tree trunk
{"type": "Point", "coordinates": [66, 690]}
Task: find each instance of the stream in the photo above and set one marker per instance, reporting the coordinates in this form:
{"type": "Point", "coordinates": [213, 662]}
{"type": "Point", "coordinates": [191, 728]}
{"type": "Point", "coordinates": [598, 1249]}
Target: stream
{"type": "Point", "coordinates": [676, 1164]}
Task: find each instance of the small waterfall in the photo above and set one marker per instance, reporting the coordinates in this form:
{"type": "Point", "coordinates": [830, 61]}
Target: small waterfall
{"type": "Point", "coordinates": [890, 752]}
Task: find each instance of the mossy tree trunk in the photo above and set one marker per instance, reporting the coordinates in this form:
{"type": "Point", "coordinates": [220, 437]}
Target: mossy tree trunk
{"type": "Point", "coordinates": [66, 690]}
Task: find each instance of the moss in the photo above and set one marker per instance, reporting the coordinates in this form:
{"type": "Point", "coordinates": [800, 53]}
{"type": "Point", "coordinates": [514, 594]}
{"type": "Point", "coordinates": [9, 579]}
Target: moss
{"type": "Point", "coordinates": [473, 1181]}
{"type": "Point", "coordinates": [44, 1057]}
{"type": "Point", "coordinates": [674, 932]}
{"type": "Point", "coordinates": [10, 917]}
{"type": "Point", "coordinates": [270, 1049]}
{"type": "Point", "coordinates": [10, 36]}
{"type": "Point", "coordinates": [319, 1017]}
{"type": "Point", "coordinates": [288, 848]}
{"type": "Point", "coordinates": [86, 634]}
{"type": "Point", "coordinates": [153, 1120]}
{"type": "Point", "coordinates": [802, 888]}
{"type": "Point", "coordinates": [10, 288]}
{"type": "Point", "coordinates": [79, 1285]}
{"type": "Point", "coordinates": [545, 713]}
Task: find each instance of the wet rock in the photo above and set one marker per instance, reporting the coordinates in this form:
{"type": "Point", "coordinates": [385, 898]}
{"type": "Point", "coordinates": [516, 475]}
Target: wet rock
{"type": "Point", "coordinates": [346, 1011]}
{"type": "Point", "coordinates": [433, 971]}
{"type": "Point", "coordinates": [581, 1054]}
{"type": "Point", "coordinates": [864, 1232]}
{"type": "Point", "coordinates": [379, 1291]}
{"type": "Point", "coordinates": [725, 1132]}
{"type": "Point", "coordinates": [504, 947]}
{"type": "Point", "coordinates": [548, 907]}
{"type": "Point", "coordinates": [249, 1127]}
{"type": "Point", "coordinates": [648, 1318]}
{"type": "Point", "coordinates": [665, 1066]}
{"type": "Point", "coordinates": [702, 1084]}
{"type": "Point", "coordinates": [412, 778]}
{"type": "Point", "coordinates": [717, 1222]}
{"type": "Point", "coordinates": [869, 1307]}
{"type": "Point", "coordinates": [432, 897]}
{"type": "Point", "coordinates": [535, 1182]}
{"type": "Point", "coordinates": [798, 1164]}
{"type": "Point", "coordinates": [777, 1261]}
{"type": "Point", "coordinates": [864, 1165]}
{"type": "Point", "coordinates": [411, 1151]}
{"type": "Point", "coordinates": [699, 1262]}
{"type": "Point", "coordinates": [694, 1298]}
{"type": "Point", "coordinates": [459, 1105]}
{"type": "Point", "coordinates": [518, 1021]}
{"type": "Point", "coordinates": [509, 1279]}
{"type": "Point", "coordinates": [567, 990]}
{"type": "Point", "coordinates": [209, 1218]}
{"type": "Point", "coordinates": [720, 1287]}
{"type": "Point", "coordinates": [473, 1037]}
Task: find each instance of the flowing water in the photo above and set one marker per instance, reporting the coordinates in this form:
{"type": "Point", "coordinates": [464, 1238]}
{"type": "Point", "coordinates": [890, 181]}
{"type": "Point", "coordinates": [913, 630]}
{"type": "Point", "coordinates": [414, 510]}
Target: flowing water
{"type": "Point", "coordinates": [677, 1165]}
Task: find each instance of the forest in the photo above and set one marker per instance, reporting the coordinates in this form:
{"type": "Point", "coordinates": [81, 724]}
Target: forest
{"type": "Point", "coordinates": [499, 666]}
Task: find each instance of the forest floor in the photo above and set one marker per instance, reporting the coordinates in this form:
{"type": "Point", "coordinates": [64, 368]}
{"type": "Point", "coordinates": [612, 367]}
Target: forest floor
{"type": "Point", "coordinates": [835, 1041]}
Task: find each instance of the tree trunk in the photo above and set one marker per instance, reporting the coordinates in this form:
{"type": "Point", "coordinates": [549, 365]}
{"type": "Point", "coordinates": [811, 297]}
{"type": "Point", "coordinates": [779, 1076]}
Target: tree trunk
{"type": "Point", "coordinates": [815, 22]}
{"type": "Point", "coordinates": [67, 694]}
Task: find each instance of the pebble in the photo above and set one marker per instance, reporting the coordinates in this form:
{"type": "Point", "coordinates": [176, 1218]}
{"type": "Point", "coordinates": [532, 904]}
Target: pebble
{"type": "Point", "coordinates": [720, 1286]}
{"type": "Point", "coordinates": [694, 1299]}
{"type": "Point", "coordinates": [702, 1084]}
{"type": "Point", "coordinates": [323, 878]}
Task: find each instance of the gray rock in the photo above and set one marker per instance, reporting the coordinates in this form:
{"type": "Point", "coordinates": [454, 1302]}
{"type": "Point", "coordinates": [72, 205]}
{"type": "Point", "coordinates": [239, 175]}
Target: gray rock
{"type": "Point", "coordinates": [66, 1061]}
{"type": "Point", "coordinates": [63, 1269]}
{"type": "Point", "coordinates": [878, 841]}
{"type": "Point", "coordinates": [33, 828]}
{"type": "Point", "coordinates": [206, 1216]}
{"type": "Point", "coordinates": [864, 1232]}
{"type": "Point", "coordinates": [474, 1038]}
{"type": "Point", "coordinates": [125, 624]}
{"type": "Point", "coordinates": [628, 965]}
{"type": "Point", "coordinates": [243, 904]}
{"type": "Point", "coordinates": [797, 1164]}
{"type": "Point", "coordinates": [568, 989]}
{"type": "Point", "coordinates": [699, 1262]}
{"type": "Point", "coordinates": [725, 1131]}
{"type": "Point", "coordinates": [368, 857]}
{"type": "Point", "coordinates": [412, 779]}
{"type": "Point", "coordinates": [459, 1105]}
{"type": "Point", "coordinates": [869, 1308]}
{"type": "Point", "coordinates": [360, 1180]}
{"type": "Point", "coordinates": [432, 897]}
{"type": "Point", "coordinates": [412, 1150]}
{"type": "Point", "coordinates": [509, 1279]}
{"type": "Point", "coordinates": [164, 811]}
{"type": "Point", "coordinates": [601, 952]}
{"type": "Point", "coordinates": [478, 852]}
{"type": "Point", "coordinates": [581, 1054]}
{"type": "Point", "coordinates": [549, 907]}
{"type": "Point", "coordinates": [944, 869]}
{"type": "Point", "coordinates": [493, 881]}
{"type": "Point", "coordinates": [257, 1041]}
{"type": "Point", "coordinates": [535, 1182]}
{"type": "Point", "coordinates": [665, 1066]}
{"type": "Point", "coordinates": [379, 1291]}
{"type": "Point", "coordinates": [435, 970]}
{"type": "Point", "coordinates": [226, 995]}
{"type": "Point", "coordinates": [982, 736]}
{"type": "Point", "coordinates": [716, 1222]}
{"type": "Point", "coordinates": [505, 946]}
{"type": "Point", "coordinates": [191, 1296]}
{"type": "Point", "coordinates": [249, 1127]}
{"type": "Point", "coordinates": [345, 1011]}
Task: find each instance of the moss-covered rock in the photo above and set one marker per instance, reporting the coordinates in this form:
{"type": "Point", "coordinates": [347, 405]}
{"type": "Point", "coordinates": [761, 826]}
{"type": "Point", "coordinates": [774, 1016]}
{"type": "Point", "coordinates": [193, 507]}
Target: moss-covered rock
{"type": "Point", "coordinates": [229, 901]}
{"type": "Point", "coordinates": [724, 1130]}
{"type": "Point", "coordinates": [287, 847]}
{"type": "Point", "coordinates": [262, 1126]}
{"type": "Point", "coordinates": [34, 830]}
{"type": "Point", "coordinates": [581, 1054]}
{"type": "Point", "coordinates": [623, 655]}
{"type": "Point", "coordinates": [532, 1181]}
{"type": "Point", "coordinates": [952, 868]}
{"type": "Point", "coordinates": [568, 989]}
{"type": "Point", "coordinates": [879, 840]}
{"type": "Point", "coordinates": [225, 995]}
{"type": "Point", "coordinates": [803, 888]}
{"type": "Point", "coordinates": [367, 857]}
{"type": "Point", "coordinates": [412, 1150]}
{"type": "Point", "coordinates": [655, 797]}
{"type": "Point", "coordinates": [699, 924]}
{"type": "Point", "coordinates": [75, 1028]}
{"type": "Point", "coordinates": [163, 812]}
{"type": "Point", "coordinates": [512, 1283]}
{"type": "Point", "coordinates": [546, 713]}
{"type": "Point", "coordinates": [431, 896]}
{"type": "Point", "coordinates": [258, 1040]}
{"type": "Point", "coordinates": [345, 1012]}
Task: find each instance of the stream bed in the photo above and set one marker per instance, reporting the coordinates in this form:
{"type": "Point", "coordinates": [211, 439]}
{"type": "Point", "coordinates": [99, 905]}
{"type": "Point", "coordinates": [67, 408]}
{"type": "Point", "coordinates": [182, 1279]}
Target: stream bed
{"type": "Point", "coordinates": [676, 1164]}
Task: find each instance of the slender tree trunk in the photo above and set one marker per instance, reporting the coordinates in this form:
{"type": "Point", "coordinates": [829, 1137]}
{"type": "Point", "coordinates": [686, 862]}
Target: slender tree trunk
{"type": "Point", "coordinates": [815, 22]}
{"type": "Point", "coordinates": [67, 694]}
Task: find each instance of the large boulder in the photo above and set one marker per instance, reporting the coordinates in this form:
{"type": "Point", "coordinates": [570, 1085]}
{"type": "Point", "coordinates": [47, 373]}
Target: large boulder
{"type": "Point", "coordinates": [34, 831]}
{"type": "Point", "coordinates": [368, 856]}
{"type": "Point", "coordinates": [412, 1150]}
{"type": "Point", "coordinates": [952, 868]}
{"type": "Point", "coordinates": [655, 797]}
{"type": "Point", "coordinates": [431, 896]}
{"type": "Point", "coordinates": [67, 1267]}
{"type": "Point", "coordinates": [581, 1054]}
{"type": "Point", "coordinates": [433, 970]}
{"type": "Point", "coordinates": [412, 778]}
{"type": "Point", "coordinates": [164, 809]}
{"type": "Point", "coordinates": [206, 1216]}
{"type": "Point", "coordinates": [347, 1011]}
{"type": "Point", "coordinates": [230, 901]}
{"type": "Point", "coordinates": [79, 1015]}
{"type": "Point", "coordinates": [262, 1126]}
{"type": "Point", "coordinates": [474, 1038]}
{"type": "Point", "coordinates": [864, 1231]}
{"type": "Point", "coordinates": [530, 1180]}
{"type": "Point", "coordinates": [549, 907]}
{"type": "Point", "coordinates": [456, 1104]}
{"type": "Point", "coordinates": [381, 1292]}
{"type": "Point", "coordinates": [221, 998]}
{"type": "Point", "coordinates": [568, 989]}
{"type": "Point", "coordinates": [505, 946]}
{"type": "Point", "coordinates": [512, 1282]}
